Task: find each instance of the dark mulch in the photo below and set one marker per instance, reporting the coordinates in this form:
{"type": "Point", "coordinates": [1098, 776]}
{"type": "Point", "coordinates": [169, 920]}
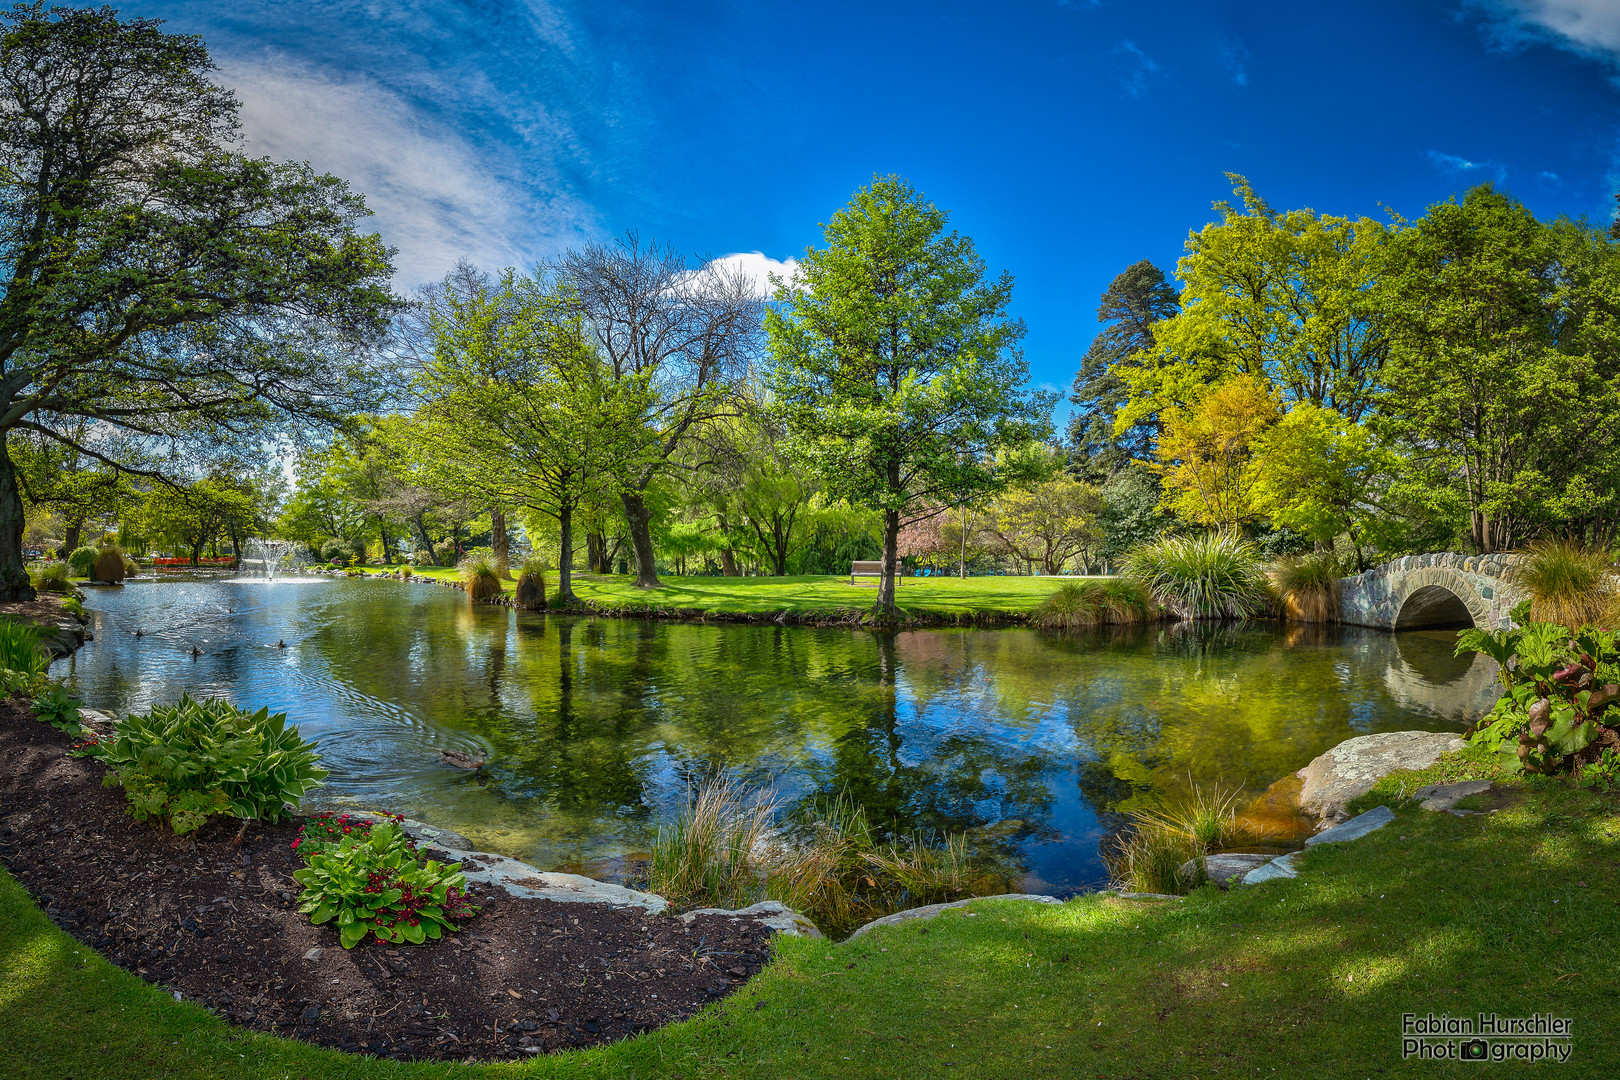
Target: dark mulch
{"type": "Point", "coordinates": [217, 921]}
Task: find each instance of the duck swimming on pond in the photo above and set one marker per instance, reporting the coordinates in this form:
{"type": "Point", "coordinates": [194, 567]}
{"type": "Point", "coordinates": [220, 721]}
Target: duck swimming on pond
{"type": "Point", "coordinates": [139, 632]}
{"type": "Point", "coordinates": [461, 760]}
{"type": "Point", "coordinates": [281, 644]}
{"type": "Point", "coordinates": [195, 652]}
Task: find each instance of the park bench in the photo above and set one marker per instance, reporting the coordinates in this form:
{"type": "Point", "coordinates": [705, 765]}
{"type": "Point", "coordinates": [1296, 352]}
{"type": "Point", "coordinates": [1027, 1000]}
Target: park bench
{"type": "Point", "coordinates": [872, 569]}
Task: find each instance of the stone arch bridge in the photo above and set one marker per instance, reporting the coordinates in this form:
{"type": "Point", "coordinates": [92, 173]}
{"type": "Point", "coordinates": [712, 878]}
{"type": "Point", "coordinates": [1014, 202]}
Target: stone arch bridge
{"type": "Point", "coordinates": [1432, 591]}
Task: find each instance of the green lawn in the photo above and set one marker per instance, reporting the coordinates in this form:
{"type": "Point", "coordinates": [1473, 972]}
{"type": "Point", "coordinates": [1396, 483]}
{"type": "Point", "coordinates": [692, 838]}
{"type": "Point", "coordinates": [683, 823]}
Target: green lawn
{"type": "Point", "coordinates": [928, 598]}
{"type": "Point", "coordinates": [1513, 912]}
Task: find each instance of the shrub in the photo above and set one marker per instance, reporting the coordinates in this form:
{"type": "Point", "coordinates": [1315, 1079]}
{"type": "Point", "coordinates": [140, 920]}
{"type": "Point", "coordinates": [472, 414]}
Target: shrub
{"type": "Point", "coordinates": [375, 882]}
{"type": "Point", "coordinates": [1309, 586]}
{"type": "Point", "coordinates": [444, 552]}
{"type": "Point", "coordinates": [531, 584]}
{"type": "Point", "coordinates": [53, 578]}
{"type": "Point", "coordinates": [481, 575]}
{"type": "Point", "coordinates": [186, 762]}
{"type": "Point", "coordinates": [1556, 713]}
{"type": "Point", "coordinates": [109, 565]}
{"type": "Point", "coordinates": [1568, 582]}
{"type": "Point", "coordinates": [59, 709]}
{"type": "Point", "coordinates": [337, 550]}
{"type": "Point", "coordinates": [82, 560]}
{"type": "Point", "coordinates": [1208, 576]}
{"type": "Point", "coordinates": [1089, 603]}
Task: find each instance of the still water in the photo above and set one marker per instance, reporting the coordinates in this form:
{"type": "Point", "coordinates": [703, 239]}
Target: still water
{"type": "Point", "coordinates": [1035, 743]}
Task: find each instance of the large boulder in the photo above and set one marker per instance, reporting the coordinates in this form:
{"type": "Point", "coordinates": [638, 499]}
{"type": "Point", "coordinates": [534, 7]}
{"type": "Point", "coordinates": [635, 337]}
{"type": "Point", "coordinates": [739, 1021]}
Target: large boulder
{"type": "Point", "coordinates": [1351, 769]}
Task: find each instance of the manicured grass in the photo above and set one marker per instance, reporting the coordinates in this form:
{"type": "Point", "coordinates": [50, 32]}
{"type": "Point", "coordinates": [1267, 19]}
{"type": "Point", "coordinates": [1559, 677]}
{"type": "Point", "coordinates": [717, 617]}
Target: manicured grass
{"type": "Point", "coordinates": [1512, 912]}
{"type": "Point", "coordinates": [930, 597]}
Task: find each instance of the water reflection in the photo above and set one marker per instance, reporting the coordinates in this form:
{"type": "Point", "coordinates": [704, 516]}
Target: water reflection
{"type": "Point", "coordinates": [1036, 744]}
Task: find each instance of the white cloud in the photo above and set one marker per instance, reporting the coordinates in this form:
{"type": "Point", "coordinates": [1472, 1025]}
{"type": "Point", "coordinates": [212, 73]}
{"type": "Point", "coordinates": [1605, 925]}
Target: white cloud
{"type": "Point", "coordinates": [756, 266]}
{"type": "Point", "coordinates": [1586, 26]}
{"type": "Point", "coordinates": [1451, 163]}
{"type": "Point", "coordinates": [437, 196]}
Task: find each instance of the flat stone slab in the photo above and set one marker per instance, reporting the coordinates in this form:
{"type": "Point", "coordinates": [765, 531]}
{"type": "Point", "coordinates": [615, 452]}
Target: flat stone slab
{"type": "Point", "coordinates": [526, 882]}
{"type": "Point", "coordinates": [772, 914]}
{"type": "Point", "coordinates": [934, 910]}
{"type": "Point", "coordinates": [1355, 828]}
{"type": "Point", "coordinates": [1351, 769]}
{"type": "Point", "coordinates": [420, 831]}
{"type": "Point", "coordinates": [1445, 796]}
{"type": "Point", "coordinates": [1228, 865]}
{"type": "Point", "coordinates": [1283, 866]}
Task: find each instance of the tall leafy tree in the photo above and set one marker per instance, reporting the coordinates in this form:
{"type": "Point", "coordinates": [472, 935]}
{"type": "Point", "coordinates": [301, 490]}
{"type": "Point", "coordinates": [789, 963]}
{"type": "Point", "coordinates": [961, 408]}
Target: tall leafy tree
{"type": "Point", "coordinates": [1503, 389]}
{"type": "Point", "coordinates": [158, 282]}
{"type": "Point", "coordinates": [1207, 447]}
{"type": "Point", "coordinates": [895, 366]}
{"type": "Point", "coordinates": [1135, 301]}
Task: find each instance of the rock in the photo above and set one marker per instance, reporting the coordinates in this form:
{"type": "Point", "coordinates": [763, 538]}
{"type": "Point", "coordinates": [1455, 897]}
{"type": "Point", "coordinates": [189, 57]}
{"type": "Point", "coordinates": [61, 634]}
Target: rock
{"type": "Point", "coordinates": [771, 913]}
{"type": "Point", "coordinates": [314, 954]}
{"type": "Point", "coordinates": [1355, 765]}
{"type": "Point", "coordinates": [933, 910]}
{"type": "Point", "coordinates": [1281, 867]}
{"type": "Point", "coordinates": [524, 881]}
{"type": "Point", "coordinates": [1355, 828]}
{"type": "Point", "coordinates": [419, 831]}
{"type": "Point", "coordinates": [1223, 868]}
{"type": "Point", "coordinates": [1445, 796]}
{"type": "Point", "coordinates": [311, 1014]}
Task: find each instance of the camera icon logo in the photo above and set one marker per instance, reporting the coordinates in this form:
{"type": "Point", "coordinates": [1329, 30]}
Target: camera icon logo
{"type": "Point", "coordinates": [1474, 1050]}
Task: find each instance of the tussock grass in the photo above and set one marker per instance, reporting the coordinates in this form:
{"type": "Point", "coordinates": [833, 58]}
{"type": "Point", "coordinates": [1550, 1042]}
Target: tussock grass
{"type": "Point", "coordinates": [1568, 583]}
{"type": "Point", "coordinates": [53, 577]}
{"type": "Point", "coordinates": [1076, 604]}
{"type": "Point", "coordinates": [481, 576]}
{"type": "Point", "coordinates": [1207, 576]}
{"type": "Point", "coordinates": [1149, 854]}
{"type": "Point", "coordinates": [531, 583]}
{"type": "Point", "coordinates": [110, 565]}
{"type": "Point", "coordinates": [1308, 587]}
{"type": "Point", "coordinates": [710, 855]}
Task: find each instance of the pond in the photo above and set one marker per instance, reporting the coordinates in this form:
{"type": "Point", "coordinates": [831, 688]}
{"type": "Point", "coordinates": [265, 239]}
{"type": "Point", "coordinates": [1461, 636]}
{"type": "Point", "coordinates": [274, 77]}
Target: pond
{"type": "Point", "coordinates": [1036, 744]}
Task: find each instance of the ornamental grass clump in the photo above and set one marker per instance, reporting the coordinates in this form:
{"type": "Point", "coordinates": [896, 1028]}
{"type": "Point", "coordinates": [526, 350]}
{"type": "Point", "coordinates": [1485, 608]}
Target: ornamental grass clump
{"type": "Point", "coordinates": [110, 565]}
{"type": "Point", "coordinates": [53, 578]}
{"type": "Point", "coordinates": [1077, 604]}
{"type": "Point", "coordinates": [187, 762]}
{"type": "Point", "coordinates": [1211, 575]}
{"type": "Point", "coordinates": [1308, 586]}
{"type": "Point", "coordinates": [373, 881]}
{"type": "Point", "coordinates": [710, 854]}
{"type": "Point", "coordinates": [1149, 856]}
{"type": "Point", "coordinates": [481, 576]}
{"type": "Point", "coordinates": [1568, 582]}
{"type": "Point", "coordinates": [531, 584]}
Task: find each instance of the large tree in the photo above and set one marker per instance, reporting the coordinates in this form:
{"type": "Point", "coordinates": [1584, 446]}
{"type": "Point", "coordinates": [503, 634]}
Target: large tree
{"type": "Point", "coordinates": [1135, 302]}
{"type": "Point", "coordinates": [895, 366]}
{"type": "Point", "coordinates": [158, 282]}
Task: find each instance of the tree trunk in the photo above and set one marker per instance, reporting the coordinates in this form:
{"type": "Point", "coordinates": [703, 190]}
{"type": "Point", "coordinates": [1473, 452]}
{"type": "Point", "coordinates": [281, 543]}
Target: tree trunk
{"type": "Point", "coordinates": [500, 543]}
{"type": "Point", "coordinates": [728, 560]}
{"type": "Point", "coordinates": [891, 543]}
{"type": "Point", "coordinates": [427, 541]}
{"type": "Point", "coordinates": [387, 543]}
{"type": "Point", "coordinates": [196, 552]}
{"type": "Point", "coordinates": [595, 542]}
{"type": "Point", "coordinates": [14, 583]}
{"type": "Point", "coordinates": [640, 520]}
{"type": "Point", "coordinates": [565, 556]}
{"type": "Point", "coordinates": [70, 539]}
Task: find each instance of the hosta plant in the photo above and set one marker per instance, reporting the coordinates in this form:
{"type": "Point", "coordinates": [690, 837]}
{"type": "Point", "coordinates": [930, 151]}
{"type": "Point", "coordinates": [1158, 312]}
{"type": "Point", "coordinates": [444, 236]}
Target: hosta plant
{"type": "Point", "coordinates": [1560, 687]}
{"type": "Point", "coordinates": [59, 709]}
{"type": "Point", "coordinates": [375, 883]}
{"type": "Point", "coordinates": [186, 762]}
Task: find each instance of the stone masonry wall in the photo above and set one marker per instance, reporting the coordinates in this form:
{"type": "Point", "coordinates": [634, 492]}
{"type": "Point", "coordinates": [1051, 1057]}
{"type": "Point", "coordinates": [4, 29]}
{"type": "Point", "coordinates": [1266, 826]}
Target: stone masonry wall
{"type": "Point", "coordinates": [1375, 598]}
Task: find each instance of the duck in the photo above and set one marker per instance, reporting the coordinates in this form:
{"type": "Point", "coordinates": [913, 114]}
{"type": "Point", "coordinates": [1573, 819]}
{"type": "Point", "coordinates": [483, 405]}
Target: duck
{"type": "Point", "coordinates": [195, 652]}
{"type": "Point", "coordinates": [281, 644]}
{"type": "Point", "coordinates": [139, 632]}
{"type": "Point", "coordinates": [461, 759]}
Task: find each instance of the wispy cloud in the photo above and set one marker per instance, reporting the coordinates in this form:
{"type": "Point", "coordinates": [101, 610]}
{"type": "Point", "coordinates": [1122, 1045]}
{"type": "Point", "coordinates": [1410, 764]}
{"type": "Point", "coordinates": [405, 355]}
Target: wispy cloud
{"type": "Point", "coordinates": [1235, 55]}
{"type": "Point", "coordinates": [1589, 27]}
{"type": "Point", "coordinates": [1461, 166]}
{"type": "Point", "coordinates": [1547, 176]}
{"type": "Point", "coordinates": [1138, 68]}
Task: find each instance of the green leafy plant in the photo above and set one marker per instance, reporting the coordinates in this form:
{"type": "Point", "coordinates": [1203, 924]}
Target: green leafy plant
{"type": "Point", "coordinates": [1211, 575]}
{"type": "Point", "coordinates": [59, 709]}
{"type": "Point", "coordinates": [374, 882]}
{"type": "Point", "coordinates": [53, 577]}
{"type": "Point", "coordinates": [73, 606]}
{"type": "Point", "coordinates": [1602, 774]}
{"type": "Point", "coordinates": [82, 560]}
{"type": "Point", "coordinates": [186, 762]}
{"type": "Point", "coordinates": [1559, 690]}
{"type": "Point", "coordinates": [19, 648]}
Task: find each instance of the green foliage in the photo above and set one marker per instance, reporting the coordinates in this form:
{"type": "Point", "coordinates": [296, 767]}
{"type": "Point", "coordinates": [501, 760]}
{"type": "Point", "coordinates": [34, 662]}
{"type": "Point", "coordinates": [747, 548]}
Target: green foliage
{"type": "Point", "coordinates": [53, 578]}
{"type": "Point", "coordinates": [59, 709]}
{"type": "Point", "coordinates": [707, 854]}
{"type": "Point", "coordinates": [186, 762]}
{"type": "Point", "coordinates": [1560, 687]}
{"type": "Point", "coordinates": [82, 560]}
{"type": "Point", "coordinates": [110, 565]}
{"type": "Point", "coordinates": [1150, 854]}
{"type": "Point", "coordinates": [1077, 604]}
{"type": "Point", "coordinates": [1309, 586]}
{"type": "Point", "coordinates": [374, 882]}
{"type": "Point", "coordinates": [1048, 524]}
{"type": "Point", "coordinates": [19, 648]}
{"type": "Point", "coordinates": [481, 576]}
{"type": "Point", "coordinates": [72, 605]}
{"type": "Point", "coordinates": [1568, 582]}
{"type": "Point", "coordinates": [339, 552]}
{"type": "Point", "coordinates": [1316, 473]}
{"type": "Point", "coordinates": [1205, 576]}
{"type": "Point", "coordinates": [1131, 515]}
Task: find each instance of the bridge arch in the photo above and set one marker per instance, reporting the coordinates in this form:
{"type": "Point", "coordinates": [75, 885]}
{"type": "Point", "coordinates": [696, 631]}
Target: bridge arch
{"type": "Point", "coordinates": [1443, 590]}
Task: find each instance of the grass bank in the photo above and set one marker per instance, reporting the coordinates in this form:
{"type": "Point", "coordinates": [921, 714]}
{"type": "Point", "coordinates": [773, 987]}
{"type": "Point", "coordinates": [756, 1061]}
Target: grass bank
{"type": "Point", "coordinates": [807, 596]}
{"type": "Point", "coordinates": [1511, 912]}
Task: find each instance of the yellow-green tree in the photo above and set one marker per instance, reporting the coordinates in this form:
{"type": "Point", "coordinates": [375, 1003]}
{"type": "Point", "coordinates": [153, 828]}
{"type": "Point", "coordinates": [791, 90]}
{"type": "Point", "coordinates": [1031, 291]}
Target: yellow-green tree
{"type": "Point", "coordinates": [1283, 296]}
{"type": "Point", "coordinates": [1206, 448]}
{"type": "Point", "coordinates": [1317, 473]}
{"type": "Point", "coordinates": [1048, 524]}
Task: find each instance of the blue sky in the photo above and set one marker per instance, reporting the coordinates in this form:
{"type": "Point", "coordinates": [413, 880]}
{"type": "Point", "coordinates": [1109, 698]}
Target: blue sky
{"type": "Point", "coordinates": [1069, 138]}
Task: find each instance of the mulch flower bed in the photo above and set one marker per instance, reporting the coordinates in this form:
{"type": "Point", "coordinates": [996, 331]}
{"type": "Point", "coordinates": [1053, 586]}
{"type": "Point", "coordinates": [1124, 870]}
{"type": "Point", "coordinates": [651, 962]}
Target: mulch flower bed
{"type": "Point", "coordinates": [217, 921]}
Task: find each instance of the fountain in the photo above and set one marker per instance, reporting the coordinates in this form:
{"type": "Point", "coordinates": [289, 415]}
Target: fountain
{"type": "Point", "coordinates": [271, 562]}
